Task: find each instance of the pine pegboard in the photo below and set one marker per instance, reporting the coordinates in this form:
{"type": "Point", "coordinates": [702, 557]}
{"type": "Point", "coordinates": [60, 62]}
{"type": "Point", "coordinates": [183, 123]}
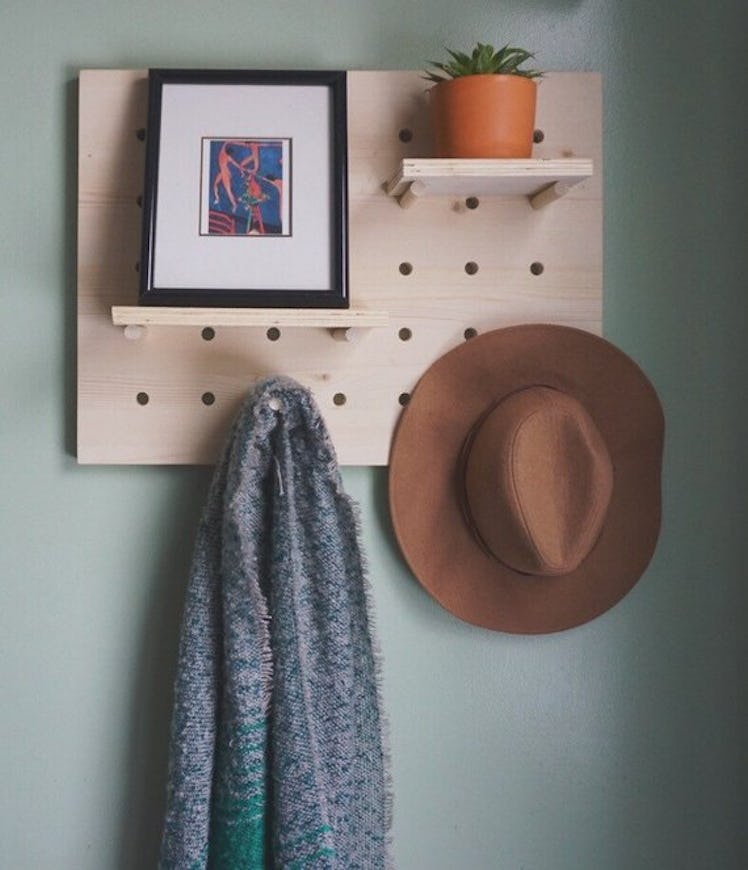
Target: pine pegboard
{"type": "Point", "coordinates": [529, 265]}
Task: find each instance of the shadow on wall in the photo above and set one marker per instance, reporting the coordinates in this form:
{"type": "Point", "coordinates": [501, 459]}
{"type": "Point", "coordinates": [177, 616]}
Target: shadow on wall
{"type": "Point", "coordinates": [146, 745]}
{"type": "Point", "coordinates": [550, 4]}
{"type": "Point", "coordinates": [69, 264]}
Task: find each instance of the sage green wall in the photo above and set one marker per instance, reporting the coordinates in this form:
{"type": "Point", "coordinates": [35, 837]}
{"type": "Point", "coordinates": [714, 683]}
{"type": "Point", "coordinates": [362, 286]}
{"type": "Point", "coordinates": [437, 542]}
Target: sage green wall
{"type": "Point", "coordinates": [617, 745]}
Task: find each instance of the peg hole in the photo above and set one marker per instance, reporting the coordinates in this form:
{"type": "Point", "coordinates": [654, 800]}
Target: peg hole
{"type": "Point", "coordinates": [470, 332]}
{"type": "Point", "coordinates": [405, 135]}
{"type": "Point", "coordinates": [339, 399]}
{"type": "Point", "coordinates": [405, 334]}
{"type": "Point", "coordinates": [208, 398]}
{"type": "Point", "coordinates": [537, 268]}
{"type": "Point", "coordinates": [273, 334]}
{"type": "Point", "coordinates": [538, 136]}
{"type": "Point", "coordinates": [405, 268]}
{"type": "Point", "coordinates": [208, 333]}
{"type": "Point", "coordinates": [472, 202]}
{"type": "Point", "coordinates": [403, 399]}
{"type": "Point", "coordinates": [471, 268]}
{"type": "Point", "coordinates": [142, 398]}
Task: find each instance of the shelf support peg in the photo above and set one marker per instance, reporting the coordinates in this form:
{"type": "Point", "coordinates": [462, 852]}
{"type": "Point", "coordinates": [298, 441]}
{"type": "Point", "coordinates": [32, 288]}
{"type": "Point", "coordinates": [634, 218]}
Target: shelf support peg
{"type": "Point", "coordinates": [550, 194]}
{"type": "Point", "coordinates": [351, 334]}
{"type": "Point", "coordinates": [415, 190]}
{"type": "Point", "coordinates": [134, 331]}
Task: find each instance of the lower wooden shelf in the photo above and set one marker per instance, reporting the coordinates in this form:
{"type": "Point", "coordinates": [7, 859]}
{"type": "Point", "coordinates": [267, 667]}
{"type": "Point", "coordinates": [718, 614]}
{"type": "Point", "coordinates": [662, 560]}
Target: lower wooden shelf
{"type": "Point", "coordinates": [344, 324]}
{"type": "Point", "coordinates": [143, 315]}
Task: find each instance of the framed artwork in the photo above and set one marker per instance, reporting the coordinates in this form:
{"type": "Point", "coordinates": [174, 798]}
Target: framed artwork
{"type": "Point", "coordinates": [245, 200]}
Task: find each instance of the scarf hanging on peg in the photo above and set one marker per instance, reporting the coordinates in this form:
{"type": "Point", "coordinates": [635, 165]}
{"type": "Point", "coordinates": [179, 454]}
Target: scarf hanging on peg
{"type": "Point", "coordinates": [277, 754]}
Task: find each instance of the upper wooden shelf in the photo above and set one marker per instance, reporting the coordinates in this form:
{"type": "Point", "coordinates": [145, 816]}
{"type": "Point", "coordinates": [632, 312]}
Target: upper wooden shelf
{"type": "Point", "coordinates": [541, 180]}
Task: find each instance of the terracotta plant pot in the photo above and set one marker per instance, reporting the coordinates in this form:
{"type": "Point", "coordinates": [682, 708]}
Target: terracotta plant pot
{"type": "Point", "coordinates": [484, 116]}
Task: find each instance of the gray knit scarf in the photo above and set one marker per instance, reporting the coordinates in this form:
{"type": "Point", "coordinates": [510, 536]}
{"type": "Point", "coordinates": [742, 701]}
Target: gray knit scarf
{"type": "Point", "coordinates": [276, 756]}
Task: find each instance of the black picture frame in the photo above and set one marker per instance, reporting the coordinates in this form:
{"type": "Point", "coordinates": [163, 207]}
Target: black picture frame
{"type": "Point", "coordinates": [245, 201]}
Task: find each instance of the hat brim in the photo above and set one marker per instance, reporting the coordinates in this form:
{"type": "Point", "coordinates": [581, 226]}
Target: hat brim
{"type": "Point", "coordinates": [425, 476]}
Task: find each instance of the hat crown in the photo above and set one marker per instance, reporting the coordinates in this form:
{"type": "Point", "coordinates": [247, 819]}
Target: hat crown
{"type": "Point", "coordinates": [538, 480]}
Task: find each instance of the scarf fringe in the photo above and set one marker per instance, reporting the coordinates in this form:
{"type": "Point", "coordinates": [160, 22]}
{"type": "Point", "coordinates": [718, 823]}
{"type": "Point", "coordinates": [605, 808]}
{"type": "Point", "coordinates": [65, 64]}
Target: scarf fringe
{"type": "Point", "coordinates": [378, 659]}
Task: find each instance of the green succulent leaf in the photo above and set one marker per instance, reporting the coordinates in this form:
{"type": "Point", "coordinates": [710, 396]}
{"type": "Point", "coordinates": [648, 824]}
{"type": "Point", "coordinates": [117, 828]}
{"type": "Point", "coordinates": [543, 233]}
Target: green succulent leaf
{"type": "Point", "coordinates": [483, 60]}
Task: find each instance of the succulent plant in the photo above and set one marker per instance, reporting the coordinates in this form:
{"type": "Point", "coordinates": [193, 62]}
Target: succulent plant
{"type": "Point", "coordinates": [484, 60]}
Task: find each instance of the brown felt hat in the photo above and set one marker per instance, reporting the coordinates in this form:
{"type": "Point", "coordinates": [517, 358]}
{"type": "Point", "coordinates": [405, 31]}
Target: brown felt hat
{"type": "Point", "coordinates": [525, 478]}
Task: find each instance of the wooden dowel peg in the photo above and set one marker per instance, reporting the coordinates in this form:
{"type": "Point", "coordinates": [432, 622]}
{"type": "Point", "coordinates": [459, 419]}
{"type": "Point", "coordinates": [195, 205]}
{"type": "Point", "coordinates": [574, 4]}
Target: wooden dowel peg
{"type": "Point", "coordinates": [350, 334]}
{"type": "Point", "coordinates": [412, 194]}
{"type": "Point", "coordinates": [134, 331]}
{"type": "Point", "coordinates": [550, 194]}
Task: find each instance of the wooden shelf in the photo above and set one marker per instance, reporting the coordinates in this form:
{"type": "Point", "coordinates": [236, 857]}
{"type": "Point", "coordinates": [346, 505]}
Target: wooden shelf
{"type": "Point", "coordinates": [144, 315]}
{"type": "Point", "coordinates": [542, 181]}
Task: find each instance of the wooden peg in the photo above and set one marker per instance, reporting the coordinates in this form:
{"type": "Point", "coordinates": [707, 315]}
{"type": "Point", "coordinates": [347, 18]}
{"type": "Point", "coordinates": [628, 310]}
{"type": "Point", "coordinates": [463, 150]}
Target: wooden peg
{"type": "Point", "coordinates": [412, 194]}
{"type": "Point", "coordinates": [134, 331]}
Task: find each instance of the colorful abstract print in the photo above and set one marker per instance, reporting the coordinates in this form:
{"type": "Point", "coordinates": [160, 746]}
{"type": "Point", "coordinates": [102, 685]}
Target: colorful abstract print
{"type": "Point", "coordinates": [245, 187]}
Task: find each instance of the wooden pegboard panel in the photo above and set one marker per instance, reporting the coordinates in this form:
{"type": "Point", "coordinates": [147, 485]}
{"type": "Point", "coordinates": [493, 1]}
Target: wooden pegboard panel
{"type": "Point", "coordinates": [430, 307]}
